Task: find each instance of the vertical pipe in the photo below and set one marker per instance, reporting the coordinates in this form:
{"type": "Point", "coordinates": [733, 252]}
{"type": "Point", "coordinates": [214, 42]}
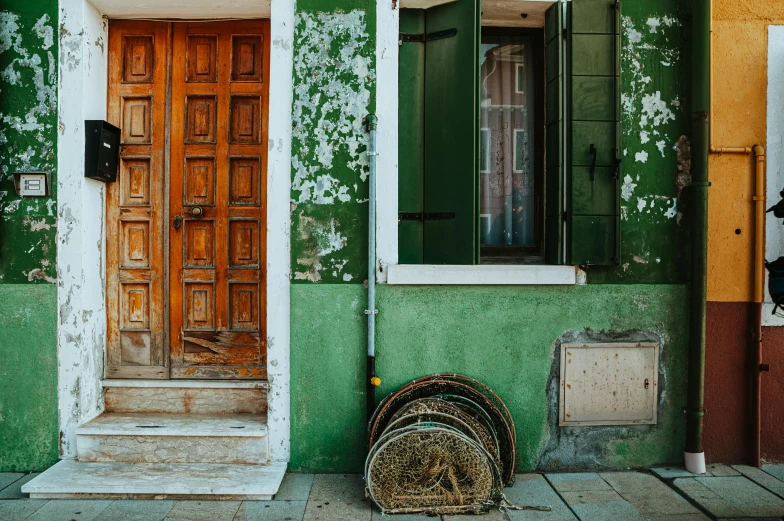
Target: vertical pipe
{"type": "Point", "coordinates": [694, 455]}
{"type": "Point", "coordinates": [759, 294]}
{"type": "Point", "coordinates": [371, 311]}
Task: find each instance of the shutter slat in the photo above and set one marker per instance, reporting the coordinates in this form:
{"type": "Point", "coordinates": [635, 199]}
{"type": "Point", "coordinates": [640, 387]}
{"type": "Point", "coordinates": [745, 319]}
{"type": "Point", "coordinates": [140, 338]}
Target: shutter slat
{"type": "Point", "coordinates": [554, 138]}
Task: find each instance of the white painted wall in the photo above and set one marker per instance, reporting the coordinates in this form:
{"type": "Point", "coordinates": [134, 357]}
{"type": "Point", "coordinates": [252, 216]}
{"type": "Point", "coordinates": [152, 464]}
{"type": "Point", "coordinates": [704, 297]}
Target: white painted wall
{"type": "Point", "coordinates": [279, 229]}
{"type": "Point", "coordinates": [774, 230]}
{"type": "Point", "coordinates": [80, 232]}
{"type": "Point", "coordinates": [81, 210]}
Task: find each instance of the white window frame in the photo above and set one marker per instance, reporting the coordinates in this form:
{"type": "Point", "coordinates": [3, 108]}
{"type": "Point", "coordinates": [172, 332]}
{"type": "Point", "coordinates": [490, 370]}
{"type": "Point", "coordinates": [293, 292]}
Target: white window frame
{"type": "Point", "coordinates": [387, 268]}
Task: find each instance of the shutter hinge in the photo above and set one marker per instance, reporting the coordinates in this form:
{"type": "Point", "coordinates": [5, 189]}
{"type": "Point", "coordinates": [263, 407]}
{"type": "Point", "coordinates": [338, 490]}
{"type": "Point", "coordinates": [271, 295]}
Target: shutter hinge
{"type": "Point", "coordinates": [564, 32]}
{"type": "Point", "coordinates": [425, 216]}
{"type": "Point", "coordinates": [427, 37]}
{"type": "Point", "coordinates": [617, 4]}
{"type": "Point", "coordinates": [563, 216]}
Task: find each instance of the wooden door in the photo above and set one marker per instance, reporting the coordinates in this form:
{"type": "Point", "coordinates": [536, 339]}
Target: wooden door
{"type": "Point", "coordinates": [135, 204]}
{"type": "Point", "coordinates": [217, 233]}
{"type": "Point", "coordinates": [186, 219]}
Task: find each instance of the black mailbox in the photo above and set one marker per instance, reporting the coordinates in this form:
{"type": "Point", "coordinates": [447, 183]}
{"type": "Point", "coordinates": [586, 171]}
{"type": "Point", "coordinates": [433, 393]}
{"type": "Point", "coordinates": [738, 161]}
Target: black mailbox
{"type": "Point", "coordinates": [102, 150]}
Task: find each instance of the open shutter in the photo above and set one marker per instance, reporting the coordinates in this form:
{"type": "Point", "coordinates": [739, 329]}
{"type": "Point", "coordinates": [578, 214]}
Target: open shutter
{"type": "Point", "coordinates": [451, 133]}
{"type": "Point", "coordinates": [554, 134]}
{"type": "Point", "coordinates": [592, 181]}
{"type": "Point", "coordinates": [411, 130]}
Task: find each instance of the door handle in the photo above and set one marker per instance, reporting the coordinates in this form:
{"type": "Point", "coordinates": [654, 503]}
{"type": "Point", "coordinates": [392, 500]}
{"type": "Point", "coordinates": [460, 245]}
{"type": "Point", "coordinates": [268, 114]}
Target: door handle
{"type": "Point", "coordinates": [177, 222]}
{"type": "Point", "coordinates": [197, 211]}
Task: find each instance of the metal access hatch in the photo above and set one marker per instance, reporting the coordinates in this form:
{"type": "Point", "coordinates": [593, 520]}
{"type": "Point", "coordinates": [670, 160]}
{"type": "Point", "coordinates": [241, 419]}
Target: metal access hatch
{"type": "Point", "coordinates": [608, 384]}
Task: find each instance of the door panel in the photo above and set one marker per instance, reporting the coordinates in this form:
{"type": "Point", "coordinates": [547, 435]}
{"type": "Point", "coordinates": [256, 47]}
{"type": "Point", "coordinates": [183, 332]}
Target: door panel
{"type": "Point", "coordinates": [218, 125]}
{"type": "Point", "coordinates": [135, 216]}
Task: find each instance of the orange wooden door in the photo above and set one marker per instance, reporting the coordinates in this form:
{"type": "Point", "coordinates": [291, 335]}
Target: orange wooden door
{"type": "Point", "coordinates": [135, 204]}
{"type": "Point", "coordinates": [219, 87]}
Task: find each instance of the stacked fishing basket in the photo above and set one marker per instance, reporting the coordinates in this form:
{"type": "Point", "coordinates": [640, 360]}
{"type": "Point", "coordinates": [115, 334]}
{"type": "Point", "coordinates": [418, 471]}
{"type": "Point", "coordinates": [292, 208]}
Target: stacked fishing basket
{"type": "Point", "coordinates": [442, 444]}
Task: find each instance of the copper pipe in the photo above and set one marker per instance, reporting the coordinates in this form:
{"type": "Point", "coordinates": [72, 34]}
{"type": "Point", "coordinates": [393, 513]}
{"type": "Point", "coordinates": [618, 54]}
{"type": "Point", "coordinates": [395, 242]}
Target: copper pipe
{"type": "Point", "coordinates": [755, 351]}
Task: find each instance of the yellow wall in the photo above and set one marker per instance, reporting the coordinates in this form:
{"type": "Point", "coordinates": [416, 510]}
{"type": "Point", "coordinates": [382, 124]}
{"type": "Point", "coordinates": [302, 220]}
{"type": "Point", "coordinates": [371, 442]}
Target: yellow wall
{"type": "Point", "coordinates": [740, 50]}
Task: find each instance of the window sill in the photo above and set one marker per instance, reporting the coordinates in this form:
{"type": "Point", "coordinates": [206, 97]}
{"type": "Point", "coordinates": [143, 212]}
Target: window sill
{"type": "Point", "coordinates": [430, 274]}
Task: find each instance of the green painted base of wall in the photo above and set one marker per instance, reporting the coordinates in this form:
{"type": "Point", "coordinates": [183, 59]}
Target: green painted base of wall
{"type": "Point", "coordinates": [28, 377]}
{"type": "Point", "coordinates": [503, 336]}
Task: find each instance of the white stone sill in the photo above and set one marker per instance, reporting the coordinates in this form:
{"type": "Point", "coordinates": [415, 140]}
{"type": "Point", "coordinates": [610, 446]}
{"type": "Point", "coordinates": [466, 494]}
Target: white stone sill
{"type": "Point", "coordinates": [189, 384]}
{"type": "Point", "coordinates": [430, 274]}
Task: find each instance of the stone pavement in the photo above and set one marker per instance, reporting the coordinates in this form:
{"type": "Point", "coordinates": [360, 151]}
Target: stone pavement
{"type": "Point", "coordinates": [661, 494]}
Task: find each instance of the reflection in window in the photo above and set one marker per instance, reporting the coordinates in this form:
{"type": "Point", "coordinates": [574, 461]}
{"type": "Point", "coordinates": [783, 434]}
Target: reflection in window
{"type": "Point", "coordinates": [508, 209]}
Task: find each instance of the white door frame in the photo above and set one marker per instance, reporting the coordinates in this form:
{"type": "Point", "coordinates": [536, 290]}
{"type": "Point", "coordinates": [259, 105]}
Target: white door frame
{"type": "Point", "coordinates": [81, 240]}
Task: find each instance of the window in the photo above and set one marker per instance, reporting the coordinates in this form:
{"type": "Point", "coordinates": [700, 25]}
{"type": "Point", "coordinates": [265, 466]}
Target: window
{"type": "Point", "coordinates": [509, 133]}
{"type": "Point", "coordinates": [510, 105]}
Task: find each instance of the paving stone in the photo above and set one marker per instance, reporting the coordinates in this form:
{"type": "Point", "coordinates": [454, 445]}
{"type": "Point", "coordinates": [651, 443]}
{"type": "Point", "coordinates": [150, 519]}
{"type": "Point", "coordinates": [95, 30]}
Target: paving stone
{"type": "Point", "coordinates": [136, 510]}
{"type": "Point", "coordinates": [70, 510]}
{"type": "Point", "coordinates": [14, 490]}
{"type": "Point", "coordinates": [591, 496]}
{"type": "Point", "coordinates": [575, 482]}
{"type": "Point", "coordinates": [647, 494]}
{"type": "Point", "coordinates": [337, 486]}
{"type": "Point", "coordinates": [352, 509]}
{"type": "Point", "coordinates": [706, 498]}
{"type": "Point", "coordinates": [674, 472]}
{"type": "Point", "coordinates": [762, 478]}
{"type": "Point", "coordinates": [534, 490]}
{"type": "Point", "coordinates": [721, 471]}
{"type": "Point", "coordinates": [777, 471]}
{"type": "Point", "coordinates": [338, 497]}
{"type": "Point", "coordinates": [615, 510]}
{"type": "Point", "coordinates": [6, 478]}
{"type": "Point", "coordinates": [745, 495]}
{"type": "Point", "coordinates": [495, 514]}
{"type": "Point", "coordinates": [19, 509]}
{"type": "Point", "coordinates": [271, 511]}
{"type": "Point", "coordinates": [204, 510]}
{"type": "Point", "coordinates": [378, 516]}
{"type": "Point", "coordinates": [295, 487]}
{"type": "Point", "coordinates": [680, 517]}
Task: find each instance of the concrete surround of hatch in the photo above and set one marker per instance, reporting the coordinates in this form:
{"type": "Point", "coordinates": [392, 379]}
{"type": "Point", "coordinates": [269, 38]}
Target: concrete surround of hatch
{"type": "Point", "coordinates": [210, 440]}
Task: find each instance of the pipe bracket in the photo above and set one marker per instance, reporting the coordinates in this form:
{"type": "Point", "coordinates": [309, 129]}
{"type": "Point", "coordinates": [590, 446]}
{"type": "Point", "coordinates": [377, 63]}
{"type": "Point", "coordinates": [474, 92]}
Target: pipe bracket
{"type": "Point", "coordinates": [371, 312]}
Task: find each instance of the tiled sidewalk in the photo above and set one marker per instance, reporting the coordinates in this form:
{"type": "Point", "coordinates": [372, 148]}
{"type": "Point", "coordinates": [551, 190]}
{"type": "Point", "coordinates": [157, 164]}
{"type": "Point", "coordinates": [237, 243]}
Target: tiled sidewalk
{"type": "Point", "coordinates": [666, 494]}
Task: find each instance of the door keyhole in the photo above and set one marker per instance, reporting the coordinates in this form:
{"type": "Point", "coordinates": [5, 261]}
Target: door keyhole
{"type": "Point", "coordinates": [177, 222]}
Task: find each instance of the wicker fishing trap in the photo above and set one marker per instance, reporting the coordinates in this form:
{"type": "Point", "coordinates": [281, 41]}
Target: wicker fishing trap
{"type": "Point", "coordinates": [442, 444]}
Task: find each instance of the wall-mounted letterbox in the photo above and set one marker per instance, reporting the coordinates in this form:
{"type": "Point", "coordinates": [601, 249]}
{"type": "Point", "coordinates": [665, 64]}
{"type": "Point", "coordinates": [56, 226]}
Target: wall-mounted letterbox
{"type": "Point", "coordinates": [102, 150]}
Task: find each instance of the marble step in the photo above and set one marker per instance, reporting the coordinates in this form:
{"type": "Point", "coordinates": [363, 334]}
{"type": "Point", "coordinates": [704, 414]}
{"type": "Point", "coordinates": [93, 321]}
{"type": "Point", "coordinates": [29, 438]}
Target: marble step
{"type": "Point", "coordinates": [174, 438]}
{"type": "Point", "coordinates": [186, 396]}
{"type": "Point", "coordinates": [70, 479]}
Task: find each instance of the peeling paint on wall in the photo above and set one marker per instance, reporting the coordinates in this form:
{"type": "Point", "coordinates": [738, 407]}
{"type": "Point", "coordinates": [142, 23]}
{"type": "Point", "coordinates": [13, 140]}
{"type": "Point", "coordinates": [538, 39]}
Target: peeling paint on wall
{"type": "Point", "coordinates": [334, 80]}
{"type": "Point", "coordinates": [28, 105]}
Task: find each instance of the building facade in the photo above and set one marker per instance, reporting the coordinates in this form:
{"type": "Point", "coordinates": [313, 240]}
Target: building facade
{"type": "Point", "coordinates": [581, 237]}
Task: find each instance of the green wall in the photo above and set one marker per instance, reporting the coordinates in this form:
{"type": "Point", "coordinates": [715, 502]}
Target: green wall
{"type": "Point", "coordinates": [28, 293]}
{"type": "Point", "coordinates": [503, 336]}
{"type": "Point", "coordinates": [28, 377]}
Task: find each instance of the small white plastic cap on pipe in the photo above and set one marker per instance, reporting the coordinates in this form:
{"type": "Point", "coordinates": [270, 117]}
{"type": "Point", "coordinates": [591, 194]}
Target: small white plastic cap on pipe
{"type": "Point", "coordinates": [695, 462]}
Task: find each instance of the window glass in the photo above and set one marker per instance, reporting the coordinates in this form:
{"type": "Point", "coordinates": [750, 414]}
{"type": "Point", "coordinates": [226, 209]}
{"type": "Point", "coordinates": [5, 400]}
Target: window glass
{"type": "Point", "coordinates": [508, 180]}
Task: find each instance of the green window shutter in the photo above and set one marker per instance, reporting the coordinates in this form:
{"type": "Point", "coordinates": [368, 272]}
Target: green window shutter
{"type": "Point", "coordinates": [593, 117]}
{"type": "Point", "coordinates": [452, 134]}
{"type": "Point", "coordinates": [554, 138]}
{"type": "Point", "coordinates": [411, 130]}
{"type": "Point", "coordinates": [438, 153]}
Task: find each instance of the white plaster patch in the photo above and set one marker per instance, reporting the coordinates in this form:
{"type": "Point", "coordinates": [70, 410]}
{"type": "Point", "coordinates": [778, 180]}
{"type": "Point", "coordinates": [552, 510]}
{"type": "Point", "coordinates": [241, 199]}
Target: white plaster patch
{"type": "Point", "coordinates": [653, 24]}
{"type": "Point", "coordinates": [641, 204]}
{"type": "Point", "coordinates": [628, 187]}
{"type": "Point", "coordinates": [641, 157]}
{"type": "Point", "coordinates": [644, 137]}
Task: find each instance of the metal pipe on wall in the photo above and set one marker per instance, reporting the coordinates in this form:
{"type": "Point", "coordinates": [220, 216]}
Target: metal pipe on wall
{"type": "Point", "coordinates": [372, 380]}
{"type": "Point", "coordinates": [694, 456]}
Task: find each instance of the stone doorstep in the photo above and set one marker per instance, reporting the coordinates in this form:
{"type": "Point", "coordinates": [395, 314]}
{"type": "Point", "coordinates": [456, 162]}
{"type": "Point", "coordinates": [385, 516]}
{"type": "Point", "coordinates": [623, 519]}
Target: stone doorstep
{"type": "Point", "coordinates": [70, 479]}
{"type": "Point", "coordinates": [174, 438]}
